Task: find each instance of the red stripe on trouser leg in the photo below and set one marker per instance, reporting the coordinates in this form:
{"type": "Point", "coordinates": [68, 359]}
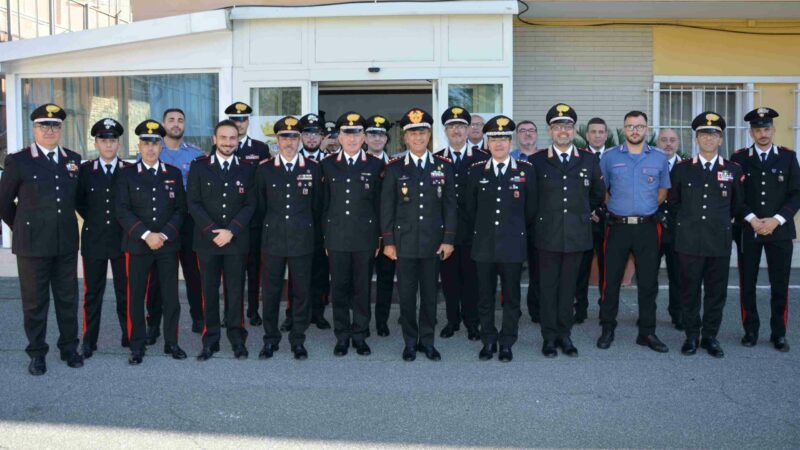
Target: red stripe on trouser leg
{"type": "Point", "coordinates": [658, 233]}
{"type": "Point", "coordinates": [605, 272]}
{"type": "Point", "coordinates": [202, 294]}
{"type": "Point", "coordinates": [128, 276]}
{"type": "Point", "coordinates": [178, 299]}
{"type": "Point", "coordinates": [85, 327]}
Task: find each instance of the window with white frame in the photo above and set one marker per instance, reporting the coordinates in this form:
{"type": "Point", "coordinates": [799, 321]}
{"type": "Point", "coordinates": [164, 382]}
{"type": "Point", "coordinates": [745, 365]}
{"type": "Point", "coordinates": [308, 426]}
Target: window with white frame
{"type": "Point", "coordinates": [680, 103]}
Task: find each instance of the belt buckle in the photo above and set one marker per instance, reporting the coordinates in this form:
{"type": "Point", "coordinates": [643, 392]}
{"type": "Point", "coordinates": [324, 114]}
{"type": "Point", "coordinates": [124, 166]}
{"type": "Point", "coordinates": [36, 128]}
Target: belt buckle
{"type": "Point", "coordinates": [633, 220]}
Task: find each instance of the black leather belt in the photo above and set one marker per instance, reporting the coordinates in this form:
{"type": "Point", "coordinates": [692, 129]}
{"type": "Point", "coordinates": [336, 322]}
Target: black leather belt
{"type": "Point", "coordinates": [631, 220]}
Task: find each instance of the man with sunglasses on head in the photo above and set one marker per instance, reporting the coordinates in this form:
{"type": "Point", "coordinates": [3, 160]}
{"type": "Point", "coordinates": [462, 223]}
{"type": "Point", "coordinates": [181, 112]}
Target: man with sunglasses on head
{"type": "Point", "coordinates": [37, 201]}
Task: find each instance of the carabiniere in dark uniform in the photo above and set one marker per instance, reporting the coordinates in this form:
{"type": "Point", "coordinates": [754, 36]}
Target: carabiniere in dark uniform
{"type": "Point", "coordinates": [45, 236]}
{"type": "Point", "coordinates": [351, 229]}
{"type": "Point", "coordinates": [102, 234]}
{"type": "Point", "coordinates": [706, 193]}
{"type": "Point", "coordinates": [151, 200]}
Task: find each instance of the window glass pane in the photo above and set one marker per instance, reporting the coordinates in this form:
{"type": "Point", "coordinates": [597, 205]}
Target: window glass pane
{"type": "Point", "coordinates": [483, 99]}
{"type": "Point", "coordinates": [269, 105]}
{"type": "Point", "coordinates": [130, 100]}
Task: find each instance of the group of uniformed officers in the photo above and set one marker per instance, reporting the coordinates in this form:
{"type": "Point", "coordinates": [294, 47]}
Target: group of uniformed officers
{"type": "Point", "coordinates": [469, 213]}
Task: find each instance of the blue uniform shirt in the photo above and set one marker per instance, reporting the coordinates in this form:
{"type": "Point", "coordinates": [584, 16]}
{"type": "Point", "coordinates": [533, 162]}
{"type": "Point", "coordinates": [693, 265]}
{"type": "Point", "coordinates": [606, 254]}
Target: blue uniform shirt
{"type": "Point", "coordinates": [181, 158]}
{"type": "Point", "coordinates": [633, 181]}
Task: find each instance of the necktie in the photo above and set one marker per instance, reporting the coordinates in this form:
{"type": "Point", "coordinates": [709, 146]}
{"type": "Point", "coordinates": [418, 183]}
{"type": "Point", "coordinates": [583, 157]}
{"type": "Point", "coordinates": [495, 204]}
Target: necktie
{"type": "Point", "coordinates": [289, 167]}
{"type": "Point", "coordinates": [52, 157]}
{"type": "Point", "coordinates": [225, 167]}
{"type": "Point", "coordinates": [500, 169]}
{"type": "Point", "coordinates": [475, 148]}
{"type": "Point", "coordinates": [764, 157]}
{"type": "Point", "coordinates": [152, 171]}
{"type": "Point", "coordinates": [419, 165]}
{"type": "Point", "coordinates": [457, 157]}
{"type": "Point", "coordinates": [108, 170]}
{"type": "Point", "coordinates": [564, 158]}
{"type": "Point", "coordinates": [708, 166]}
{"type": "Point", "coordinates": [351, 162]}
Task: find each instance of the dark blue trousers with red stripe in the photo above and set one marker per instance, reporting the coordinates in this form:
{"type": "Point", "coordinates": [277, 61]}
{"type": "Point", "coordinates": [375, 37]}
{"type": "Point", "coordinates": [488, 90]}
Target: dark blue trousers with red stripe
{"type": "Point", "coordinates": [228, 269]}
{"type": "Point", "coordinates": [138, 268]}
{"type": "Point", "coordinates": [779, 263]}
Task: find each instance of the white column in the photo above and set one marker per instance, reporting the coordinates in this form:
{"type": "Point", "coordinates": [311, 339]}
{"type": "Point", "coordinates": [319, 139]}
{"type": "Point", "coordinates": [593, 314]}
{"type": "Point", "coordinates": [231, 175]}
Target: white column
{"type": "Point", "coordinates": [13, 130]}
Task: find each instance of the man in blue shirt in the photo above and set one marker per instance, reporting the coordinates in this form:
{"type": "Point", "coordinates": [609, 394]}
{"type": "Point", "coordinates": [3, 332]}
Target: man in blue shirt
{"type": "Point", "coordinates": [637, 179]}
{"type": "Point", "coordinates": [179, 153]}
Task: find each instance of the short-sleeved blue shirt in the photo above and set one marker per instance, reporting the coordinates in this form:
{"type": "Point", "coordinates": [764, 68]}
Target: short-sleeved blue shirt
{"type": "Point", "coordinates": [633, 181]}
{"type": "Point", "coordinates": [181, 158]}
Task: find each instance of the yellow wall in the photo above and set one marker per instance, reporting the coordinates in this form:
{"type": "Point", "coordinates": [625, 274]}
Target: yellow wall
{"type": "Point", "coordinates": [685, 51]}
{"type": "Point", "coordinates": [780, 98]}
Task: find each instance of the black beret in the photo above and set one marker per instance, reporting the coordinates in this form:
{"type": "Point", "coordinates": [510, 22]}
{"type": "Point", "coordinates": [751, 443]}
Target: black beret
{"type": "Point", "coordinates": [150, 130]}
{"type": "Point", "coordinates": [48, 112]}
{"type": "Point", "coordinates": [107, 128]}
{"type": "Point", "coordinates": [561, 113]}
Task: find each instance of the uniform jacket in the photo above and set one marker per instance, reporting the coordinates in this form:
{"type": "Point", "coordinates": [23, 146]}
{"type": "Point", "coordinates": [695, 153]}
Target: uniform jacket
{"type": "Point", "coordinates": [101, 233]}
{"type": "Point", "coordinates": [702, 203]}
{"type": "Point", "coordinates": [664, 216]}
{"type": "Point", "coordinates": [567, 197]}
{"type": "Point", "coordinates": [351, 199]}
{"type": "Point", "coordinates": [461, 173]}
{"type": "Point", "coordinates": [216, 200]}
{"type": "Point", "coordinates": [252, 151]}
{"type": "Point", "coordinates": [771, 188]}
{"type": "Point", "coordinates": [146, 202]}
{"type": "Point", "coordinates": [289, 206]}
{"type": "Point", "coordinates": [419, 211]}
{"type": "Point", "coordinates": [500, 211]}
{"type": "Point", "coordinates": [43, 219]}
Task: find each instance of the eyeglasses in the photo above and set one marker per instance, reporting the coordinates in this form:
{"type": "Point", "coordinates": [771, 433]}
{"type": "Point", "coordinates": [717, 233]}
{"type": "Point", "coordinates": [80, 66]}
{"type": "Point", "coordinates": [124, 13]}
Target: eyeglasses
{"type": "Point", "coordinates": [476, 125]}
{"type": "Point", "coordinates": [567, 127]}
{"type": "Point", "coordinates": [532, 131]}
{"type": "Point", "coordinates": [51, 128]}
{"type": "Point", "coordinates": [455, 127]}
{"type": "Point", "coordinates": [635, 127]}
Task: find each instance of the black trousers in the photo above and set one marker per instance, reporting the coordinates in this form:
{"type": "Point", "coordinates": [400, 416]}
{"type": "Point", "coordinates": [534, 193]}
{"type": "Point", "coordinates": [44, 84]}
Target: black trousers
{"type": "Point", "coordinates": [532, 298]}
{"type": "Point", "coordinates": [712, 274]}
{"type": "Point", "coordinates": [230, 268]}
{"type": "Point", "coordinates": [558, 275]}
{"type": "Point", "coordinates": [460, 286]}
{"type": "Point", "coordinates": [272, 269]}
{"type": "Point", "coordinates": [417, 275]}
{"type": "Point", "coordinates": [350, 287]}
{"type": "Point", "coordinates": [319, 285]}
{"type": "Point", "coordinates": [582, 288]}
{"type": "Point", "coordinates": [37, 276]}
{"type": "Point", "coordinates": [253, 271]}
{"type": "Point", "coordinates": [510, 274]}
{"type": "Point", "coordinates": [779, 261]}
{"type": "Point", "coordinates": [191, 278]}
{"type": "Point", "coordinates": [643, 241]}
{"type": "Point", "coordinates": [384, 285]}
{"type": "Point", "coordinates": [673, 275]}
{"type": "Point", "coordinates": [139, 268]}
{"type": "Point", "coordinates": [94, 285]}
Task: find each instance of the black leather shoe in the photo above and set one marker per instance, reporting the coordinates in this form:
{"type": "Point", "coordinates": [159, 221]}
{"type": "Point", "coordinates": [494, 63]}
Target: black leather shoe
{"type": "Point", "coordinates": [549, 349]}
{"type": "Point", "coordinates": [175, 351]}
{"type": "Point", "coordinates": [505, 354]}
{"type": "Point", "coordinates": [487, 352]}
{"type": "Point", "coordinates": [322, 324]}
{"type": "Point", "coordinates": [473, 333]}
{"type": "Point", "coordinates": [712, 347]}
{"type": "Point", "coordinates": [87, 351]}
{"type": "Point", "coordinates": [300, 352]}
{"type": "Point", "coordinates": [580, 316]}
{"type": "Point", "coordinates": [286, 325]}
{"type": "Point", "coordinates": [152, 335]}
{"type": "Point", "coordinates": [653, 342]}
{"type": "Point", "coordinates": [125, 342]}
{"type": "Point", "coordinates": [255, 319]}
{"type": "Point", "coordinates": [362, 348]}
{"type": "Point", "coordinates": [197, 326]}
{"type": "Point", "coordinates": [409, 354]}
{"type": "Point", "coordinates": [605, 339]}
{"type": "Point", "coordinates": [340, 349]}
{"type": "Point", "coordinates": [268, 351]}
{"type": "Point", "coordinates": [449, 330]}
{"type": "Point", "coordinates": [382, 329]}
{"type": "Point", "coordinates": [780, 344]}
{"type": "Point", "coordinates": [431, 353]}
{"type": "Point", "coordinates": [135, 358]}
{"type": "Point", "coordinates": [689, 346]}
{"type": "Point", "coordinates": [206, 354]}
{"type": "Point", "coordinates": [566, 346]}
{"type": "Point", "coordinates": [750, 339]}
{"type": "Point", "coordinates": [73, 359]}
{"type": "Point", "coordinates": [37, 366]}
{"type": "Point", "coordinates": [215, 347]}
{"type": "Point", "coordinates": [240, 351]}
